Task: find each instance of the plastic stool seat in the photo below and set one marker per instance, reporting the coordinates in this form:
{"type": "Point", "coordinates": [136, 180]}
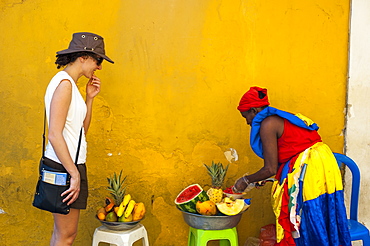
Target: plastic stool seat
{"type": "Point", "coordinates": [120, 238]}
{"type": "Point", "coordinates": [199, 237]}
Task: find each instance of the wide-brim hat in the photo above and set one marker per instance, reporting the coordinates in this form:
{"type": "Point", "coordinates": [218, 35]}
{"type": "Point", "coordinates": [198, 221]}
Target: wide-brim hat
{"type": "Point", "coordinates": [88, 42]}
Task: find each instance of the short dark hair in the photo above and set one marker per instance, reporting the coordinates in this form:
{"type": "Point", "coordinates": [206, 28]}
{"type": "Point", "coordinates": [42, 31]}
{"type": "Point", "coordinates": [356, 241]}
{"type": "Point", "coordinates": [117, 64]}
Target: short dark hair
{"type": "Point", "coordinates": [65, 59]}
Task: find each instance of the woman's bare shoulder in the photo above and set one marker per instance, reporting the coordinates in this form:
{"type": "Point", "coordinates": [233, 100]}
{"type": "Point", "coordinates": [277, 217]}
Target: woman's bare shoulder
{"type": "Point", "coordinates": [272, 125]}
{"type": "Point", "coordinates": [273, 119]}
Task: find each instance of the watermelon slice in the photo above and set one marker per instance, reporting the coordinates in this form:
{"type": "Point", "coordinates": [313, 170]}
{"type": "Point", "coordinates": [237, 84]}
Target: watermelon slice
{"type": "Point", "coordinates": [188, 197]}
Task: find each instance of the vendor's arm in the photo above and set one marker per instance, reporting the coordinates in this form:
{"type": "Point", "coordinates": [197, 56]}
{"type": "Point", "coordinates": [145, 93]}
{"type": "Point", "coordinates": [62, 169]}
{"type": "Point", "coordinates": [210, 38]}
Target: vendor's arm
{"type": "Point", "coordinates": [58, 113]}
{"type": "Point", "coordinates": [271, 129]}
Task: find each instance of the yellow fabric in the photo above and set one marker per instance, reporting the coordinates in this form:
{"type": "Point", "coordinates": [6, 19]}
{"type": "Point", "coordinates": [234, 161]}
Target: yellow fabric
{"type": "Point", "coordinates": [306, 120]}
{"type": "Point", "coordinates": [277, 194]}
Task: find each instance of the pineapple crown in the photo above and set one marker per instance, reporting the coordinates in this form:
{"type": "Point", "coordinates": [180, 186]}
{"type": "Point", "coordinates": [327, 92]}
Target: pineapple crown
{"type": "Point", "coordinates": [116, 188]}
{"type": "Point", "coordinates": [217, 173]}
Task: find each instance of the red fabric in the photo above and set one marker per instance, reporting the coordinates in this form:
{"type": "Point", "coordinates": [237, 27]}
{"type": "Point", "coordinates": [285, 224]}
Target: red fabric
{"type": "Point", "coordinates": [295, 140]}
{"type": "Point", "coordinates": [284, 219]}
{"type": "Point", "coordinates": [251, 99]}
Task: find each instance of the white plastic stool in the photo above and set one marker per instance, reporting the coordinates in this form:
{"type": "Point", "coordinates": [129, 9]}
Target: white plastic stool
{"type": "Point", "coordinates": [120, 238]}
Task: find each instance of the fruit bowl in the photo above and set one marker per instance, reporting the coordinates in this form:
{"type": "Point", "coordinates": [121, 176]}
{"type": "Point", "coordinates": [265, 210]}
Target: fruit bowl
{"type": "Point", "coordinates": [119, 226]}
{"type": "Point", "coordinates": [215, 222]}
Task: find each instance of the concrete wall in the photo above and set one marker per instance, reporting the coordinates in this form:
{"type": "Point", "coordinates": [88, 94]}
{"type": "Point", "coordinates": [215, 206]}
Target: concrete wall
{"type": "Point", "coordinates": [358, 126]}
{"type": "Point", "coordinates": [168, 105]}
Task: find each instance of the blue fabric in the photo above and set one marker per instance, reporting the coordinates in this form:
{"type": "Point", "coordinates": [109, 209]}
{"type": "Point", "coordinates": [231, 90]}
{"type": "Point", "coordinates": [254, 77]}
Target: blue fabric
{"type": "Point", "coordinates": [255, 138]}
{"type": "Point", "coordinates": [323, 223]}
{"type": "Point", "coordinates": [284, 172]}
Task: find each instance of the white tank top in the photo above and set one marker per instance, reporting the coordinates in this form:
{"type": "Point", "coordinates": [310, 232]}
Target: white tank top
{"type": "Point", "coordinates": [75, 118]}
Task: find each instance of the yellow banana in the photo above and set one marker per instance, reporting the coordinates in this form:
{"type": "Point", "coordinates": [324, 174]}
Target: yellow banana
{"type": "Point", "coordinates": [129, 208]}
{"type": "Point", "coordinates": [126, 200]}
{"type": "Point", "coordinates": [121, 209]}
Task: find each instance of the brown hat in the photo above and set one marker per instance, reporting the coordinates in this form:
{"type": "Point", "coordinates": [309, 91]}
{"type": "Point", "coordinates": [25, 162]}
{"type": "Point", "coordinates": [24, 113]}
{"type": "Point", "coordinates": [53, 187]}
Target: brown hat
{"type": "Point", "coordinates": [86, 41]}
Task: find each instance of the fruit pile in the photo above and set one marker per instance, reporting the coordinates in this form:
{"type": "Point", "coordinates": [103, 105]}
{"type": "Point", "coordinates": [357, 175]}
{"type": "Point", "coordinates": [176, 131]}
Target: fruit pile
{"type": "Point", "coordinates": [121, 208]}
{"type": "Point", "coordinates": [193, 199]}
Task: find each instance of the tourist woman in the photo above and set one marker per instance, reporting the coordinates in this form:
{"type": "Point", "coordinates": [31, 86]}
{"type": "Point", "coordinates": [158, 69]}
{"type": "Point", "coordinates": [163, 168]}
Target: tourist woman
{"type": "Point", "coordinates": [69, 115]}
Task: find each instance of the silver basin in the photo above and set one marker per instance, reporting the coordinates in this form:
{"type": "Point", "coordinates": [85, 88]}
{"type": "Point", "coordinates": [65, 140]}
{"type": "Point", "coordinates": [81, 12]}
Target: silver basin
{"type": "Point", "coordinates": [119, 226]}
{"type": "Point", "coordinates": [216, 222]}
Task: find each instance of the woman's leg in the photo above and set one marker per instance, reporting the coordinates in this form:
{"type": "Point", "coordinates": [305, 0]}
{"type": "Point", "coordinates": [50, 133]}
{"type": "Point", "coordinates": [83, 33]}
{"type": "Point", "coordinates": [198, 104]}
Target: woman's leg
{"type": "Point", "coordinates": [65, 228]}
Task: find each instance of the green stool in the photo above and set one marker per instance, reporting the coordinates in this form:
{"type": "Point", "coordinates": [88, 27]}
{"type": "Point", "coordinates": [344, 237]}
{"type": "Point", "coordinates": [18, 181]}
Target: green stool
{"type": "Point", "coordinates": [199, 237]}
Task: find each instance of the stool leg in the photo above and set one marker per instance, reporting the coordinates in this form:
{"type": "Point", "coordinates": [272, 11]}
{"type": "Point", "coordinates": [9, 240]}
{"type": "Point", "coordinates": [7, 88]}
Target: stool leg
{"type": "Point", "coordinates": [145, 238]}
{"type": "Point", "coordinates": [366, 241]}
{"type": "Point", "coordinates": [190, 237]}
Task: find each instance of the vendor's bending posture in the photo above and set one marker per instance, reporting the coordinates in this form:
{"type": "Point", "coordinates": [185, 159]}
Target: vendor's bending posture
{"type": "Point", "coordinates": [308, 194]}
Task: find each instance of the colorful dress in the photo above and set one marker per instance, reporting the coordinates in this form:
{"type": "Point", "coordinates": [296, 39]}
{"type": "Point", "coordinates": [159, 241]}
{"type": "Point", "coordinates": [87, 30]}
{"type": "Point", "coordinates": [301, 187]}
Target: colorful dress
{"type": "Point", "coordinates": [307, 197]}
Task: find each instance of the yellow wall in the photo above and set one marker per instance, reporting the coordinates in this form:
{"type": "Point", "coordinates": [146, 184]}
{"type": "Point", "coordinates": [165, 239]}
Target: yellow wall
{"type": "Point", "coordinates": [168, 104]}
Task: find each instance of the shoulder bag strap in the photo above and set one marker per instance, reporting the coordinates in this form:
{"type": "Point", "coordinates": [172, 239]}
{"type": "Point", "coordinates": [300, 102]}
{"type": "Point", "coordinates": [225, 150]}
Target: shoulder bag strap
{"type": "Point", "coordinates": [43, 136]}
{"type": "Point", "coordinates": [78, 147]}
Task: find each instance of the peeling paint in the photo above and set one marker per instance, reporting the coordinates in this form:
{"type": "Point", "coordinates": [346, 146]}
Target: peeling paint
{"type": "Point", "coordinates": [231, 155]}
{"type": "Point", "coordinates": [350, 111]}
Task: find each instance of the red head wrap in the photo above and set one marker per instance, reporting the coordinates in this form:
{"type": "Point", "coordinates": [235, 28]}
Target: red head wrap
{"type": "Point", "coordinates": [254, 98]}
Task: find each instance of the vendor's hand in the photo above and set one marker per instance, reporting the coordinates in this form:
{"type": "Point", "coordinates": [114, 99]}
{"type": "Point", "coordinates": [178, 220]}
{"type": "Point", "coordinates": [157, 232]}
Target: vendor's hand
{"type": "Point", "coordinates": [240, 185]}
{"type": "Point", "coordinates": [93, 86]}
{"type": "Point", "coordinates": [74, 190]}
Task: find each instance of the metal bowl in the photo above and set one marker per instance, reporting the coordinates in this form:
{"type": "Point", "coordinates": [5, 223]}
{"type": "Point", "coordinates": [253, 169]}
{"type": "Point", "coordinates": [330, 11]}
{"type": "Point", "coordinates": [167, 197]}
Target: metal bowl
{"type": "Point", "coordinates": [119, 226]}
{"type": "Point", "coordinates": [215, 222]}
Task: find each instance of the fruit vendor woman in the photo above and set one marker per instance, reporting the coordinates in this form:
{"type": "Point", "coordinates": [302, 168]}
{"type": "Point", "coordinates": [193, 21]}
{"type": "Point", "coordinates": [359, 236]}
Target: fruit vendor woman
{"type": "Point", "coordinates": [307, 197]}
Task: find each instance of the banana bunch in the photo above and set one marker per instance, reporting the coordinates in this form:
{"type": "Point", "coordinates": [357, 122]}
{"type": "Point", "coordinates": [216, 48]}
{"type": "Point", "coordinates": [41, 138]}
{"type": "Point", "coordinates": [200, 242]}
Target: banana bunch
{"type": "Point", "coordinates": [125, 208]}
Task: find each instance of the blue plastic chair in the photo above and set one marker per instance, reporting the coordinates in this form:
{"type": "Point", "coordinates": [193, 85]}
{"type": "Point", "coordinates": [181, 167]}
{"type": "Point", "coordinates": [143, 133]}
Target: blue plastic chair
{"type": "Point", "coordinates": [357, 230]}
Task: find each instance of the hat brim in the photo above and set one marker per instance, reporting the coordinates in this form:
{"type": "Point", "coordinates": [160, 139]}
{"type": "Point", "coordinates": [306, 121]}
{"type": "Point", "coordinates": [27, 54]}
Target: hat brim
{"type": "Point", "coordinates": [69, 51]}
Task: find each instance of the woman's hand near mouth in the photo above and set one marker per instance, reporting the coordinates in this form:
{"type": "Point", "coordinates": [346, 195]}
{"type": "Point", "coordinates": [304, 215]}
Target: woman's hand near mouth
{"type": "Point", "coordinates": [93, 87]}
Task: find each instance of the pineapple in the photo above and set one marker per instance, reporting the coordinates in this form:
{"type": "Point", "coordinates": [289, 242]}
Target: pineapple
{"type": "Point", "coordinates": [217, 173]}
{"type": "Point", "coordinates": [116, 188]}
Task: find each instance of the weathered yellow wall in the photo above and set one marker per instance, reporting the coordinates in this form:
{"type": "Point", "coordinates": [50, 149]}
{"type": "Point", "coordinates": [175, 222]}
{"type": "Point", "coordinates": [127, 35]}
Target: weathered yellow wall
{"type": "Point", "coordinates": [168, 105]}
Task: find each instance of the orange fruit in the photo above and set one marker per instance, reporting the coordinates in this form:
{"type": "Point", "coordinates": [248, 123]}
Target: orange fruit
{"type": "Point", "coordinates": [101, 210]}
{"type": "Point", "coordinates": [101, 216]}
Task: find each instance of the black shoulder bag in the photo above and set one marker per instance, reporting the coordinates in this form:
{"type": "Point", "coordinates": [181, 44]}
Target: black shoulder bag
{"type": "Point", "coordinates": [52, 183]}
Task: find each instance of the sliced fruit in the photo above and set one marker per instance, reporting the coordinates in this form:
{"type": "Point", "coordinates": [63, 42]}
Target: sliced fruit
{"type": "Point", "coordinates": [230, 207]}
{"type": "Point", "coordinates": [206, 208]}
{"type": "Point", "coordinates": [188, 197]}
{"type": "Point", "coordinates": [110, 204]}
